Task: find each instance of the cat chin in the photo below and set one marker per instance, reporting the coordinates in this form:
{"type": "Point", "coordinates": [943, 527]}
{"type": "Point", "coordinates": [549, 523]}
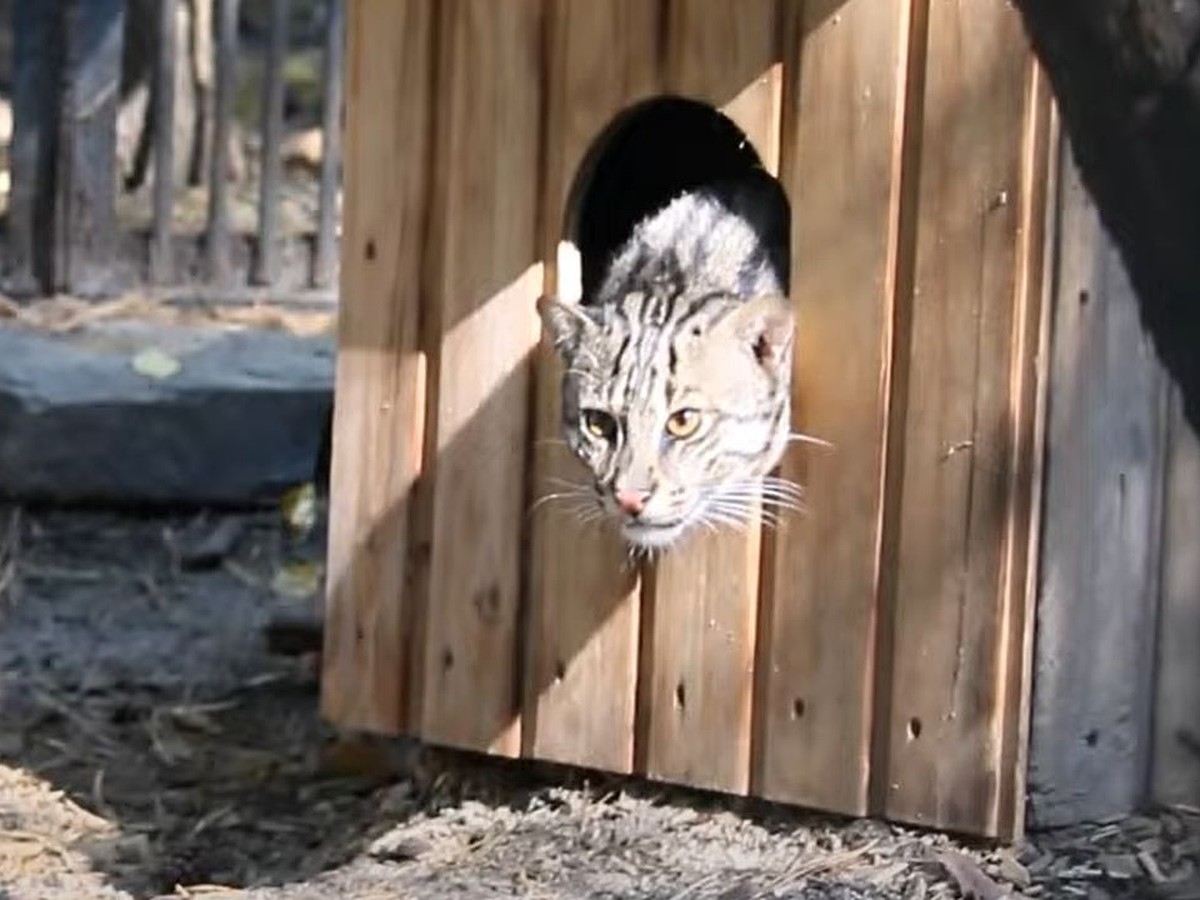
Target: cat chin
{"type": "Point", "coordinates": [651, 537]}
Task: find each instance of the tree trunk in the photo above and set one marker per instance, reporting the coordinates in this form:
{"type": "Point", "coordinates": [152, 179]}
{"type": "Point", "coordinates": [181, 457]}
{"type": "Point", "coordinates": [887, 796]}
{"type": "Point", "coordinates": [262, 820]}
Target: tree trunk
{"type": "Point", "coordinates": [1127, 80]}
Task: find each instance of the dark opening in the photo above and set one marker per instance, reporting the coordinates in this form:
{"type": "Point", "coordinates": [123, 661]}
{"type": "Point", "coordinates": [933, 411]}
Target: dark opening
{"type": "Point", "coordinates": [647, 156]}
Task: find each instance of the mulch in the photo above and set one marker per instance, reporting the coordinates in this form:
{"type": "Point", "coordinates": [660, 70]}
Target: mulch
{"type": "Point", "coordinates": [151, 745]}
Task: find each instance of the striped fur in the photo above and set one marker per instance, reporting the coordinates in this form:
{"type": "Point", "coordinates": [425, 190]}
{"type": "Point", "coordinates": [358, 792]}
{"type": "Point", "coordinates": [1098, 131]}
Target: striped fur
{"type": "Point", "coordinates": [691, 321]}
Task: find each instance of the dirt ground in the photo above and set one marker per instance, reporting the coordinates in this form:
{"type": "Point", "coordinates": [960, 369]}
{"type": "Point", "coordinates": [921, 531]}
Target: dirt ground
{"type": "Point", "coordinates": [152, 746]}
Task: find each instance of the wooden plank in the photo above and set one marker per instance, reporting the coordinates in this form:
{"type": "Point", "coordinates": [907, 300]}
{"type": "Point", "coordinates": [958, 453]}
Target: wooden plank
{"type": "Point", "coordinates": [697, 666]}
{"type": "Point", "coordinates": [166, 65]}
{"type": "Point", "coordinates": [86, 194]}
{"type": "Point", "coordinates": [955, 616]}
{"type": "Point", "coordinates": [266, 257]}
{"type": "Point", "coordinates": [582, 637]}
{"type": "Point", "coordinates": [217, 243]}
{"type": "Point", "coordinates": [1098, 583]}
{"type": "Point", "coordinates": [37, 60]}
{"type": "Point", "coordinates": [333, 64]}
{"type": "Point", "coordinates": [813, 732]}
{"type": "Point", "coordinates": [380, 402]}
{"type": "Point", "coordinates": [481, 329]}
{"type": "Point", "coordinates": [719, 52]}
{"type": "Point", "coordinates": [1038, 218]}
{"type": "Point", "coordinates": [1176, 763]}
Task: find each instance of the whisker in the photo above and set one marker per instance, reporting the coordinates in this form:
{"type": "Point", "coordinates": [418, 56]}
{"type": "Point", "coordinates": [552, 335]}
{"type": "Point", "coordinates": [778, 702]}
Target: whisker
{"type": "Point", "coordinates": [743, 517]}
{"type": "Point", "coordinates": [548, 498]}
{"type": "Point", "coordinates": [772, 497]}
{"type": "Point", "coordinates": [563, 482]}
{"type": "Point", "coordinates": [798, 437]}
{"type": "Point", "coordinates": [748, 510]}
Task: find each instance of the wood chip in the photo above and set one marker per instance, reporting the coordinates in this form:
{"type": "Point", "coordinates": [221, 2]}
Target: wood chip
{"type": "Point", "coordinates": [206, 546]}
{"type": "Point", "coordinates": [1013, 872]}
{"type": "Point", "coordinates": [972, 881]}
{"type": "Point", "coordinates": [398, 846]}
{"type": "Point", "coordinates": [1150, 864]}
{"type": "Point", "coordinates": [1119, 866]}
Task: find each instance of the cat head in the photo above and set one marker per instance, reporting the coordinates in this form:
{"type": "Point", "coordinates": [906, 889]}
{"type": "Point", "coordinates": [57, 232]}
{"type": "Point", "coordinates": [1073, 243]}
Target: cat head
{"type": "Point", "coordinates": [678, 406]}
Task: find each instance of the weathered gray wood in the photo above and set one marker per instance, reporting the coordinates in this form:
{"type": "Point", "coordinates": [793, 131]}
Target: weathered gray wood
{"type": "Point", "coordinates": [218, 197]}
{"type": "Point", "coordinates": [36, 64]}
{"type": "Point", "coordinates": [325, 259]}
{"type": "Point", "coordinates": [1098, 585]}
{"type": "Point", "coordinates": [266, 261]}
{"type": "Point", "coordinates": [1177, 704]}
{"type": "Point", "coordinates": [62, 215]}
{"type": "Point", "coordinates": [161, 263]}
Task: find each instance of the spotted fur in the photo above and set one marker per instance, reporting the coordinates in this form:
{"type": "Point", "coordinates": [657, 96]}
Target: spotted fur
{"type": "Point", "coordinates": [677, 384]}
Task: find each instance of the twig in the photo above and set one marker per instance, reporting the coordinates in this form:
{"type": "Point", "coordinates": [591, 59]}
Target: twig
{"type": "Point", "coordinates": [696, 885]}
{"type": "Point", "coordinates": [17, 835]}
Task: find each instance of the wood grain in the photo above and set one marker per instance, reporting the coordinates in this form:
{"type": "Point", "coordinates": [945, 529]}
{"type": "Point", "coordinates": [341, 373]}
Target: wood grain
{"type": "Point", "coordinates": [1099, 574]}
{"type": "Point", "coordinates": [1041, 169]}
{"type": "Point", "coordinates": [955, 617]}
{"type": "Point", "coordinates": [814, 717]}
{"type": "Point", "coordinates": [697, 662]}
{"type": "Point", "coordinates": [582, 634]}
{"type": "Point", "coordinates": [380, 407]}
{"type": "Point", "coordinates": [480, 329]}
{"type": "Point", "coordinates": [1177, 708]}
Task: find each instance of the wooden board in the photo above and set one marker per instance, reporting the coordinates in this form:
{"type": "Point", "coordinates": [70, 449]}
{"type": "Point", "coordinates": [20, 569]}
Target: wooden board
{"type": "Point", "coordinates": [1099, 574]}
{"type": "Point", "coordinates": [697, 665]}
{"type": "Point", "coordinates": [479, 330]}
{"type": "Point", "coordinates": [86, 233]}
{"type": "Point", "coordinates": [1028, 403]}
{"type": "Point", "coordinates": [954, 617]}
{"type": "Point", "coordinates": [815, 696]}
{"type": "Point", "coordinates": [1177, 710]}
{"type": "Point", "coordinates": [582, 636]}
{"type": "Point", "coordinates": [869, 657]}
{"type": "Point", "coordinates": [380, 408]}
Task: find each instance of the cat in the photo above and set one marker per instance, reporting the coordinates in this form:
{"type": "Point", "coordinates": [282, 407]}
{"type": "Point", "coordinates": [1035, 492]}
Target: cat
{"type": "Point", "coordinates": [676, 391]}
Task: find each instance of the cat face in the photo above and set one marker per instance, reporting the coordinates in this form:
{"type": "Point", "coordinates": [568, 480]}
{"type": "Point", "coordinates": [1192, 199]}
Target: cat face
{"type": "Point", "coordinates": [678, 406]}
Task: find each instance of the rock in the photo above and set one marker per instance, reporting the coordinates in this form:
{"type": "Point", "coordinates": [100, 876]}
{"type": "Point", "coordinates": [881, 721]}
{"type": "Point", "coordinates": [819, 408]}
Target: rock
{"type": "Point", "coordinates": [398, 846]}
{"type": "Point", "coordinates": [304, 150]}
{"type": "Point", "coordinates": [205, 545]}
{"type": "Point", "coordinates": [972, 882]}
{"type": "Point", "coordinates": [1013, 872]}
{"type": "Point", "coordinates": [240, 422]}
{"type": "Point", "coordinates": [1119, 866]}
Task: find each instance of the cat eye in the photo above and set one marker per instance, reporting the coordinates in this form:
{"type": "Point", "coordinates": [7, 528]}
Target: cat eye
{"type": "Point", "coordinates": [600, 424]}
{"type": "Point", "coordinates": [683, 423]}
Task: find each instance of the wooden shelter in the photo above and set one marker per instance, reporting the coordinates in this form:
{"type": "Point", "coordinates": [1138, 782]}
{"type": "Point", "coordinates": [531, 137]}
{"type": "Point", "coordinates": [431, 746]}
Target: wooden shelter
{"type": "Point", "coordinates": [870, 656]}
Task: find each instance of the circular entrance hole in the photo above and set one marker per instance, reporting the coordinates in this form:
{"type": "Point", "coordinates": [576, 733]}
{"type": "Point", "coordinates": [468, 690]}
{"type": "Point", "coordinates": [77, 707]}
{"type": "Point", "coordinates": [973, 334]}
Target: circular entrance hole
{"type": "Point", "coordinates": [646, 157]}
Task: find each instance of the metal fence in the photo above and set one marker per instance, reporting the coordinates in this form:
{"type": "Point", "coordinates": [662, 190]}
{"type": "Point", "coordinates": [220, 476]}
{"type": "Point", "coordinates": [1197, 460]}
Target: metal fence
{"type": "Point", "coordinates": [189, 147]}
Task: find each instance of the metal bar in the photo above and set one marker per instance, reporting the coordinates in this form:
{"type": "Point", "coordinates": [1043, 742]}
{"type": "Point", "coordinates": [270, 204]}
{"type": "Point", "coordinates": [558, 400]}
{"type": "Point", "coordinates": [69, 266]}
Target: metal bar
{"type": "Point", "coordinates": [267, 259]}
{"type": "Point", "coordinates": [331, 146]}
{"type": "Point", "coordinates": [164, 142]}
{"type": "Point", "coordinates": [85, 201]}
{"type": "Point", "coordinates": [32, 152]}
{"type": "Point", "coordinates": [218, 196]}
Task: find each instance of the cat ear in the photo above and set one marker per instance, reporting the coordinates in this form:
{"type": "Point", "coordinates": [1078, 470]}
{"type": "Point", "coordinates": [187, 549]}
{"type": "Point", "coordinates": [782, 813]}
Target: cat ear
{"type": "Point", "coordinates": [765, 323]}
{"type": "Point", "coordinates": [566, 323]}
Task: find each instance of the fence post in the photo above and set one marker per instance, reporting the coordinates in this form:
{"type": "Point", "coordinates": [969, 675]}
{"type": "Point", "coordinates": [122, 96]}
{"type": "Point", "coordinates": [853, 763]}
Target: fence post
{"type": "Point", "coordinates": [86, 217]}
{"type": "Point", "coordinates": [266, 262]}
{"type": "Point", "coordinates": [163, 98]}
{"type": "Point", "coordinates": [67, 77]}
{"type": "Point", "coordinates": [36, 63]}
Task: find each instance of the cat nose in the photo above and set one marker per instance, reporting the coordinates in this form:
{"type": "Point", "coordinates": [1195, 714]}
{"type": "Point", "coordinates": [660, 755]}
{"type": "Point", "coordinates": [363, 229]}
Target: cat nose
{"type": "Point", "coordinates": [631, 501]}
